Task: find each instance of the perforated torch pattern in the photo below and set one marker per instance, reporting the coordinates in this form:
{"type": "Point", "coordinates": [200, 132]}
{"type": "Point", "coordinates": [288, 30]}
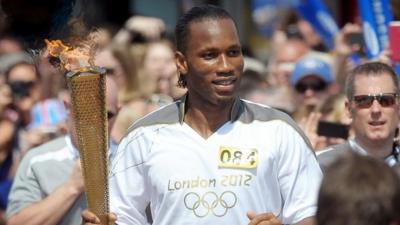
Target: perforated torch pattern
{"type": "Point", "coordinates": [87, 89]}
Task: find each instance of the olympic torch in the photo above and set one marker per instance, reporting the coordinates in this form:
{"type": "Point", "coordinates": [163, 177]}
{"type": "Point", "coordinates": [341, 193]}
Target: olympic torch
{"type": "Point", "coordinates": [87, 87]}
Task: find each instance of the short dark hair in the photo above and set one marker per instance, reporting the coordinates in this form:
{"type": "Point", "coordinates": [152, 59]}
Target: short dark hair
{"type": "Point", "coordinates": [369, 69]}
{"type": "Point", "coordinates": [359, 190]}
{"type": "Point", "coordinates": [195, 14]}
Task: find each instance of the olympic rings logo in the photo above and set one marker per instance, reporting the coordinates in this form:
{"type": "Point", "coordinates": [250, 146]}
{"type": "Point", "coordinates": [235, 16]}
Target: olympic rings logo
{"type": "Point", "coordinates": [210, 202]}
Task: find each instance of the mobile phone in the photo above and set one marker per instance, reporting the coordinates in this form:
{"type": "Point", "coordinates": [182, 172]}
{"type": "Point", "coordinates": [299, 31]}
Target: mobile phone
{"type": "Point", "coordinates": [394, 40]}
{"type": "Point", "coordinates": [330, 129]}
{"type": "Point", "coordinates": [356, 38]}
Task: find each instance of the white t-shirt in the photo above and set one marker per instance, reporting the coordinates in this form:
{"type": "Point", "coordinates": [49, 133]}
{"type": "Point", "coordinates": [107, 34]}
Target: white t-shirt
{"type": "Point", "coordinates": [257, 161]}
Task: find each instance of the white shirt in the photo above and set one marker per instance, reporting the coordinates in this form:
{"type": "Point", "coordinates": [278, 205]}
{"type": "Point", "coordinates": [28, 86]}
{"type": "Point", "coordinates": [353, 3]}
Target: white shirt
{"type": "Point", "coordinates": [250, 163]}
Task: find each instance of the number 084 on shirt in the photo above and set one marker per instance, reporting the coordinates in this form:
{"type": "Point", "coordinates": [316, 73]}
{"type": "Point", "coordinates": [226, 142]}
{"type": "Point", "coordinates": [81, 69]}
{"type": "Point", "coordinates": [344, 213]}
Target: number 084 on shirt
{"type": "Point", "coordinates": [240, 158]}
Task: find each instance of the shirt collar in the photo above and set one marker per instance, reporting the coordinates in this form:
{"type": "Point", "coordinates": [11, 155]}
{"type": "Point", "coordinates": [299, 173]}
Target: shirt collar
{"type": "Point", "coordinates": [390, 160]}
{"type": "Point", "coordinates": [71, 148]}
{"type": "Point", "coordinates": [237, 109]}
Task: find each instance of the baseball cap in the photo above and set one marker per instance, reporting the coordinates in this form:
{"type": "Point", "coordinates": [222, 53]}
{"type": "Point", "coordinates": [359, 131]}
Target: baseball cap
{"type": "Point", "coordinates": [10, 60]}
{"type": "Point", "coordinates": [47, 114]}
{"type": "Point", "coordinates": [311, 66]}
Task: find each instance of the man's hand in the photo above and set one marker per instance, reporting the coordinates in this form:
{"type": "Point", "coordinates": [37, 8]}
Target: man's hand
{"type": "Point", "coordinates": [342, 47]}
{"type": "Point", "coordinates": [262, 219]}
{"type": "Point", "coordinates": [89, 218]}
{"type": "Point", "coordinates": [75, 180]}
{"type": "Point", "coordinates": [310, 125]}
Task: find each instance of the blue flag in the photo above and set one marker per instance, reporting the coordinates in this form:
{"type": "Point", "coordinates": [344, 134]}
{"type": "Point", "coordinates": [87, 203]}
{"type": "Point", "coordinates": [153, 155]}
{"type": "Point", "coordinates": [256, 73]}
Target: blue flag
{"type": "Point", "coordinates": [265, 13]}
{"type": "Point", "coordinates": [375, 15]}
{"type": "Point", "coordinates": [315, 12]}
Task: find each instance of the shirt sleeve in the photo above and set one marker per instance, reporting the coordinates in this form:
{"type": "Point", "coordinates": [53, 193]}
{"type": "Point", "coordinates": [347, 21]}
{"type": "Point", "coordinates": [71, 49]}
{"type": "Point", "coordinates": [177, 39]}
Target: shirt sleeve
{"type": "Point", "coordinates": [25, 189]}
{"type": "Point", "coordinates": [129, 194]}
{"type": "Point", "coordinates": [299, 176]}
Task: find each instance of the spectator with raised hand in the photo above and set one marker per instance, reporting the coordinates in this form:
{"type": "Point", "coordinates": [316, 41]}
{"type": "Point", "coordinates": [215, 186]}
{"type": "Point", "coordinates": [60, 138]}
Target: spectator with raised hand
{"type": "Point", "coordinates": [328, 124]}
{"type": "Point", "coordinates": [348, 52]}
{"type": "Point", "coordinates": [24, 80]}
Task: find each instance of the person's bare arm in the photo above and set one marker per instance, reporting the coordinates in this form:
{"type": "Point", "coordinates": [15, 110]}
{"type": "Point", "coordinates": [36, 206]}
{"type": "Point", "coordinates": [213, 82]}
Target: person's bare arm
{"type": "Point", "coordinates": [51, 209]}
{"type": "Point", "coordinates": [342, 52]}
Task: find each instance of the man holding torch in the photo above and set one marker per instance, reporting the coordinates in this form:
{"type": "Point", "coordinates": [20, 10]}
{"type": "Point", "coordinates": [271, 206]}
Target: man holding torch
{"type": "Point", "coordinates": [212, 158]}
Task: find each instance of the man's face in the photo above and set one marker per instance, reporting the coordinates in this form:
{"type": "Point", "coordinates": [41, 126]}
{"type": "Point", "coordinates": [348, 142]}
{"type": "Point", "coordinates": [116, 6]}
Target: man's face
{"type": "Point", "coordinates": [113, 67]}
{"type": "Point", "coordinates": [23, 82]}
{"type": "Point", "coordinates": [111, 102]}
{"type": "Point", "coordinates": [213, 61]}
{"type": "Point", "coordinates": [376, 122]}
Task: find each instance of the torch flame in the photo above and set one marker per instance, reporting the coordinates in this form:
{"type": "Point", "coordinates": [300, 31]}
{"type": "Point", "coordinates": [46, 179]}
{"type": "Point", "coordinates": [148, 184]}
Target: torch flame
{"type": "Point", "coordinates": [70, 58]}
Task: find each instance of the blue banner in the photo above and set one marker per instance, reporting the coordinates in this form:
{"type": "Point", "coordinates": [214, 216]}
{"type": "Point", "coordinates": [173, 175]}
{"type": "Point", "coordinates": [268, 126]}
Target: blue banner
{"type": "Point", "coordinates": [265, 13]}
{"type": "Point", "coordinates": [375, 15]}
{"type": "Point", "coordinates": [315, 12]}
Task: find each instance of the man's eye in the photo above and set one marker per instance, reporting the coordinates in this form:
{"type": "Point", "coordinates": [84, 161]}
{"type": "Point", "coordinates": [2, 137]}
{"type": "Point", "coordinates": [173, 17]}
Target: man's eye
{"type": "Point", "coordinates": [234, 52]}
{"type": "Point", "coordinates": [209, 55]}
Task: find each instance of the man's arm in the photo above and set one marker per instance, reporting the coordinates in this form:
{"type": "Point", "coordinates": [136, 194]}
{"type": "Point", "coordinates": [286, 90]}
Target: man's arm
{"type": "Point", "coordinates": [51, 209]}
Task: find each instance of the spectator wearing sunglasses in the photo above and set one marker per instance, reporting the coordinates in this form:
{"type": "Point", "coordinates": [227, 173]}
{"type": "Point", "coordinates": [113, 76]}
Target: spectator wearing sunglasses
{"type": "Point", "coordinates": [372, 103]}
{"type": "Point", "coordinates": [312, 82]}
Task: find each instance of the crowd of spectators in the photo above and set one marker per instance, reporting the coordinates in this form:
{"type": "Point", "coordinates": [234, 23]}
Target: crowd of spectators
{"type": "Point", "coordinates": [301, 78]}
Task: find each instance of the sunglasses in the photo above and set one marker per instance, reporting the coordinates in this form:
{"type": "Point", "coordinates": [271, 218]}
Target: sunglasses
{"type": "Point", "coordinates": [317, 86]}
{"type": "Point", "coordinates": [384, 99]}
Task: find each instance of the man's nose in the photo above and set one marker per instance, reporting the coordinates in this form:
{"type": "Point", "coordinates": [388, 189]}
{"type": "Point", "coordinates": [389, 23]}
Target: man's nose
{"type": "Point", "coordinates": [309, 92]}
{"type": "Point", "coordinates": [225, 64]}
{"type": "Point", "coordinates": [376, 106]}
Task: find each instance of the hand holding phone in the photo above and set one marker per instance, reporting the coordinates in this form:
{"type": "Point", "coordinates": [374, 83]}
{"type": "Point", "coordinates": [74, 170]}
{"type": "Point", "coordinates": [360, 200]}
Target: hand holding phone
{"type": "Point", "coordinates": [355, 38]}
{"type": "Point", "coordinates": [330, 129]}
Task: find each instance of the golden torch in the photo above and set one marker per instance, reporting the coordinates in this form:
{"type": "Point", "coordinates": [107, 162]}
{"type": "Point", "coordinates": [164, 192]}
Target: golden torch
{"type": "Point", "coordinates": [87, 87]}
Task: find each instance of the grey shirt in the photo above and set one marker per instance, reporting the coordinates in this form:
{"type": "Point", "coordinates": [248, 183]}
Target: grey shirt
{"type": "Point", "coordinates": [326, 157]}
{"type": "Point", "coordinates": [42, 170]}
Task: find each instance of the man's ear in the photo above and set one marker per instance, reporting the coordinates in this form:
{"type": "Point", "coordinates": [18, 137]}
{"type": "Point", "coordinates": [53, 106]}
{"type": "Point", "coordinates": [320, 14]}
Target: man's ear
{"type": "Point", "coordinates": [348, 109]}
{"type": "Point", "coordinates": [181, 63]}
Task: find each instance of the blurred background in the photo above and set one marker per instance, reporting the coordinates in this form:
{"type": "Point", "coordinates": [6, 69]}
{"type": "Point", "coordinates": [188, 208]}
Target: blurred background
{"type": "Point", "coordinates": [255, 30]}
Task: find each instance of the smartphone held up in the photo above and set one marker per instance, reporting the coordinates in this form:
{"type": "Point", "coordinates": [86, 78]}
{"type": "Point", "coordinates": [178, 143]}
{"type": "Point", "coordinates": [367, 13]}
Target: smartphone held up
{"type": "Point", "coordinates": [333, 130]}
